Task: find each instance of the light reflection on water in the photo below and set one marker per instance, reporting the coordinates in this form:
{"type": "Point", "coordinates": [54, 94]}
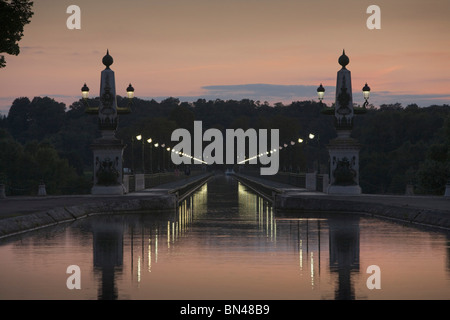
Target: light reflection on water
{"type": "Point", "coordinates": [225, 242]}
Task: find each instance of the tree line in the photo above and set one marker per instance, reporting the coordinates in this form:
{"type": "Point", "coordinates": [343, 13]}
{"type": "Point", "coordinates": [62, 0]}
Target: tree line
{"type": "Point", "coordinates": [41, 139]}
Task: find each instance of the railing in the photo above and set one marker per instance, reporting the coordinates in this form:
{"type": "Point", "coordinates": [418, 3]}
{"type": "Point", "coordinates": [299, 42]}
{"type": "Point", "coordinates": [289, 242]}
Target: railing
{"type": "Point", "coordinates": [310, 181]}
{"type": "Point", "coordinates": [35, 188]}
{"type": "Point", "coordinates": [133, 183]}
{"type": "Point", "coordinates": [190, 186]}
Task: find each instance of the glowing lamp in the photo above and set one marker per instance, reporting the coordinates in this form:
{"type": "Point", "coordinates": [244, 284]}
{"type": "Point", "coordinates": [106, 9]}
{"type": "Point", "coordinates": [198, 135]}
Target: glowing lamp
{"type": "Point", "coordinates": [85, 91]}
{"type": "Point", "coordinates": [320, 92]}
{"type": "Point", "coordinates": [366, 91]}
{"type": "Point", "coordinates": [130, 92]}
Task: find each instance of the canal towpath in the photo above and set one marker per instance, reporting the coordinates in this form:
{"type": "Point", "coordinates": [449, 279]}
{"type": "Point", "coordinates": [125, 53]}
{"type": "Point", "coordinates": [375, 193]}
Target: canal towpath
{"type": "Point", "coordinates": [21, 214]}
{"type": "Point", "coordinates": [431, 211]}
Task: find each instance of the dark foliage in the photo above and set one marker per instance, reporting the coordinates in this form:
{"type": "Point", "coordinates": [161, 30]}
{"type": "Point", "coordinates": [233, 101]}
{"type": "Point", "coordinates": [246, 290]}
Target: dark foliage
{"type": "Point", "coordinates": [14, 15]}
{"type": "Point", "coordinates": [400, 146]}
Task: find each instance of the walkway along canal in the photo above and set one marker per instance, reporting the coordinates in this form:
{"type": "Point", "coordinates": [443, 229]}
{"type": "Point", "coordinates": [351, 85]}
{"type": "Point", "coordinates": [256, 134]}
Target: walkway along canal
{"type": "Point", "coordinates": [22, 214]}
{"type": "Point", "coordinates": [433, 211]}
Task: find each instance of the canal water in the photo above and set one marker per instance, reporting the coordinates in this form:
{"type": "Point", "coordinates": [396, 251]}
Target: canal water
{"type": "Point", "coordinates": [225, 242]}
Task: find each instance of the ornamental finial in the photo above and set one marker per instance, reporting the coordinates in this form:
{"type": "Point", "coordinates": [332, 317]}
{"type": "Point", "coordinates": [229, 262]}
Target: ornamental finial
{"type": "Point", "coordinates": [343, 60]}
{"type": "Point", "coordinates": [107, 59]}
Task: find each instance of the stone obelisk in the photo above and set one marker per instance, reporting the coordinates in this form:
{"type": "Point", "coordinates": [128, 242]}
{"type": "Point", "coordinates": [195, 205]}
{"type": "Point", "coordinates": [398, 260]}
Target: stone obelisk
{"type": "Point", "coordinates": [108, 150]}
{"type": "Point", "coordinates": [344, 150]}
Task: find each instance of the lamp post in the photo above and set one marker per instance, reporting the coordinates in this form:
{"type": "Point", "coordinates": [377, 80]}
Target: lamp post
{"type": "Point", "coordinates": [320, 93]}
{"type": "Point", "coordinates": [168, 158]}
{"type": "Point", "coordinates": [85, 92]}
{"type": "Point", "coordinates": [300, 142]}
{"type": "Point", "coordinates": [132, 155]}
{"type": "Point", "coordinates": [157, 155]}
{"type": "Point", "coordinates": [163, 162]}
{"type": "Point", "coordinates": [311, 137]}
{"type": "Point", "coordinates": [139, 138]}
{"type": "Point", "coordinates": [130, 92]}
{"type": "Point", "coordinates": [366, 93]}
{"type": "Point", "coordinates": [149, 141]}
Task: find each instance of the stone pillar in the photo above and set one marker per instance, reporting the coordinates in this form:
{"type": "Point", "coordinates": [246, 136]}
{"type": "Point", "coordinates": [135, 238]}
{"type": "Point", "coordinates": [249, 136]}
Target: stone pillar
{"type": "Point", "coordinates": [126, 183]}
{"type": "Point", "coordinates": [447, 190]}
{"type": "Point", "coordinates": [139, 182]}
{"type": "Point", "coordinates": [409, 190]}
{"type": "Point", "coordinates": [310, 181]}
{"type": "Point", "coordinates": [41, 190]}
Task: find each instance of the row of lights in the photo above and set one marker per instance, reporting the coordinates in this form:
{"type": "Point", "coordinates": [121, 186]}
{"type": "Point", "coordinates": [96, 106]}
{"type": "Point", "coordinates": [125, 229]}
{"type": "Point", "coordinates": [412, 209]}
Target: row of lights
{"type": "Point", "coordinates": [300, 140]}
{"type": "Point", "coordinates": [149, 140]}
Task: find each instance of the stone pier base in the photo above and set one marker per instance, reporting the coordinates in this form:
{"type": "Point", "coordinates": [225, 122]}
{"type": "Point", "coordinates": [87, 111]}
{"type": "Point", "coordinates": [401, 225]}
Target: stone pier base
{"type": "Point", "coordinates": [447, 190]}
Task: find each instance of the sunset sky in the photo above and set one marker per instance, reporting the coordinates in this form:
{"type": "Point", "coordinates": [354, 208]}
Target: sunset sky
{"type": "Point", "coordinates": [267, 50]}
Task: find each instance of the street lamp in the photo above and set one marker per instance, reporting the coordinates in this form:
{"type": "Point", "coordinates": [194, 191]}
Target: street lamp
{"type": "Point", "coordinates": [149, 141]}
{"type": "Point", "coordinates": [157, 156]}
{"type": "Point", "coordinates": [163, 147]}
{"type": "Point", "coordinates": [139, 138]}
{"type": "Point", "coordinates": [300, 142]}
{"type": "Point", "coordinates": [320, 93]}
{"type": "Point", "coordinates": [366, 93]}
{"type": "Point", "coordinates": [130, 92]}
{"type": "Point", "coordinates": [85, 92]}
{"type": "Point", "coordinates": [312, 136]}
{"type": "Point", "coordinates": [85, 96]}
{"type": "Point", "coordinates": [168, 158]}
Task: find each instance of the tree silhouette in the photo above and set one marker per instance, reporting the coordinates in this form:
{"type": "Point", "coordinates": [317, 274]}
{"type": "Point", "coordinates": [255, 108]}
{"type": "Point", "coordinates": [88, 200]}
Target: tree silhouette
{"type": "Point", "coordinates": [400, 146]}
{"type": "Point", "coordinates": [14, 15]}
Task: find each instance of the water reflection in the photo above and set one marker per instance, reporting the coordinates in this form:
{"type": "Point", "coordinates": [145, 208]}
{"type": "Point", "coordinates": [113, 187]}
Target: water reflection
{"type": "Point", "coordinates": [226, 242]}
{"type": "Point", "coordinates": [309, 238]}
{"type": "Point", "coordinates": [344, 253]}
{"type": "Point", "coordinates": [107, 238]}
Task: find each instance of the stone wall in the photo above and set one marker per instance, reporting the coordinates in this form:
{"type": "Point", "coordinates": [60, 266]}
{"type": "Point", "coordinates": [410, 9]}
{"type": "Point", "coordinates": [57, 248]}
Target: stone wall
{"type": "Point", "coordinates": [429, 217]}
